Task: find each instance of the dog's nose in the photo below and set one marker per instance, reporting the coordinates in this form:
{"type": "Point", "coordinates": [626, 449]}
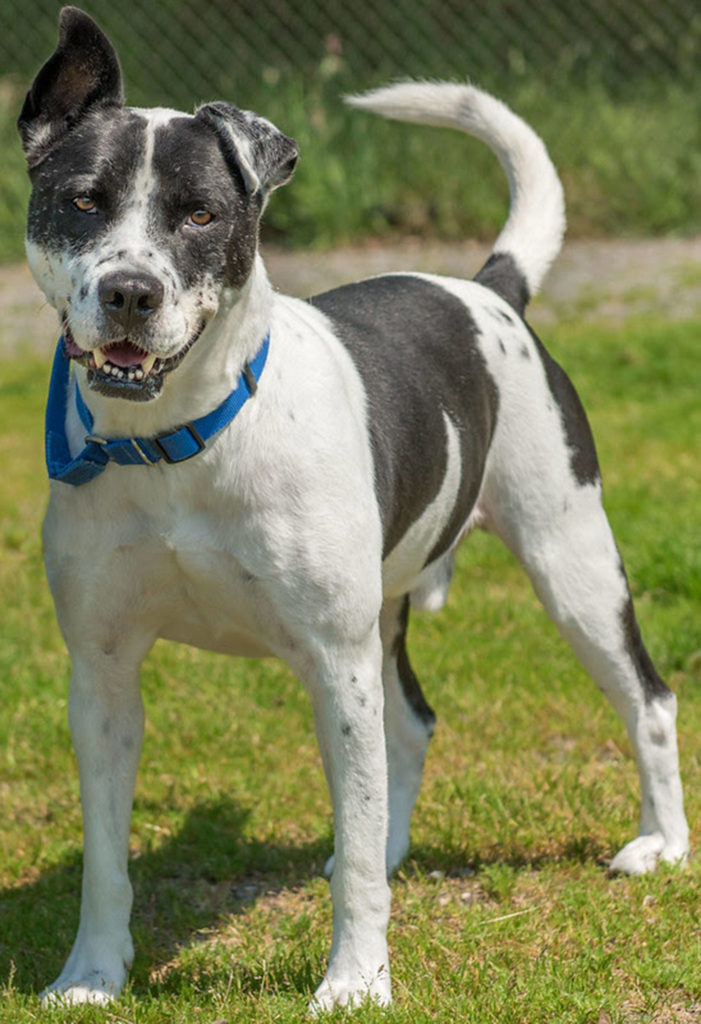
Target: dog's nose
{"type": "Point", "coordinates": [129, 298]}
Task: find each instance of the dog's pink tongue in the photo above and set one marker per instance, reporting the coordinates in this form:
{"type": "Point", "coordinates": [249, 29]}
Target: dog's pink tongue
{"type": "Point", "coordinates": [124, 354]}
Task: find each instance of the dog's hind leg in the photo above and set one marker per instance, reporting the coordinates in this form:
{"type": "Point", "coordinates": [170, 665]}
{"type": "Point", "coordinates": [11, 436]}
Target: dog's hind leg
{"type": "Point", "coordinates": [409, 724]}
{"type": "Point", "coordinates": [560, 533]}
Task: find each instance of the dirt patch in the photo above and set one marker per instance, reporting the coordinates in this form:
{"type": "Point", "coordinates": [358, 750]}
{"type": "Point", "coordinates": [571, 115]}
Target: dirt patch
{"type": "Point", "coordinates": [595, 279]}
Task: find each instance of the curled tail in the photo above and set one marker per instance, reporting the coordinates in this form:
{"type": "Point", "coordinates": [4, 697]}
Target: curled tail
{"type": "Point", "coordinates": [532, 236]}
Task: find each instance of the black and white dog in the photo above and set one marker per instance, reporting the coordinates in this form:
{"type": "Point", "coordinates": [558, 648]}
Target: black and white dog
{"type": "Point", "coordinates": [259, 475]}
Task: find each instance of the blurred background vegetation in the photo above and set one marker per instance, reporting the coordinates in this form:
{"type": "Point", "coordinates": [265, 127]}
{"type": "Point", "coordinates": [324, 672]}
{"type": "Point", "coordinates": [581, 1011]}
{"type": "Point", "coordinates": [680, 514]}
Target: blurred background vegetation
{"type": "Point", "coordinates": [612, 86]}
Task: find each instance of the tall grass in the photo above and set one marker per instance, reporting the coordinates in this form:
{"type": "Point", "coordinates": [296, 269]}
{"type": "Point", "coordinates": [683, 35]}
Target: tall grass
{"type": "Point", "coordinates": [630, 164]}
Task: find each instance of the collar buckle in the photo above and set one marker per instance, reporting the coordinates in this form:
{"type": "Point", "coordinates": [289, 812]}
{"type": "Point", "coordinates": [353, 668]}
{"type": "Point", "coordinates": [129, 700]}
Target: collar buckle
{"type": "Point", "coordinates": [159, 439]}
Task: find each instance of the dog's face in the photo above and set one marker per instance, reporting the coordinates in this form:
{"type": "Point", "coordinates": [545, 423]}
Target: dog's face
{"type": "Point", "coordinates": [139, 219]}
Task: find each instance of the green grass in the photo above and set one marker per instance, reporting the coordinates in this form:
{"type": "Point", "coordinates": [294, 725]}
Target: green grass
{"type": "Point", "coordinates": [629, 163]}
{"type": "Point", "coordinates": [504, 911]}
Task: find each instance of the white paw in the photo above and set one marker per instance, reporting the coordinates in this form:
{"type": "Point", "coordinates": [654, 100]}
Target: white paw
{"type": "Point", "coordinates": [353, 989]}
{"type": "Point", "coordinates": [643, 854]}
{"type": "Point", "coordinates": [92, 989]}
{"type": "Point", "coordinates": [91, 975]}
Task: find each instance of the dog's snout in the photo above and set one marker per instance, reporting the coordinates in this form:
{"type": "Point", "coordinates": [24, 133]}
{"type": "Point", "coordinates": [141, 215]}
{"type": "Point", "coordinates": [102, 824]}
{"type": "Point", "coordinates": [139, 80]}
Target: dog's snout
{"type": "Point", "coordinates": [129, 298]}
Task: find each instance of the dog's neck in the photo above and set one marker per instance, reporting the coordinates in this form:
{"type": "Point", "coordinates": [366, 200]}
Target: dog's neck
{"type": "Point", "coordinates": [206, 376]}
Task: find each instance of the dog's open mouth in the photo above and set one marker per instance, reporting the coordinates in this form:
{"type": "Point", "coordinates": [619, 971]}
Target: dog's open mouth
{"type": "Point", "coordinates": [122, 369]}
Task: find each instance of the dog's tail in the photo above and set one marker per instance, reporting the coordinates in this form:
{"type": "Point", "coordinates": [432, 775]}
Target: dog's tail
{"type": "Point", "coordinates": [532, 236]}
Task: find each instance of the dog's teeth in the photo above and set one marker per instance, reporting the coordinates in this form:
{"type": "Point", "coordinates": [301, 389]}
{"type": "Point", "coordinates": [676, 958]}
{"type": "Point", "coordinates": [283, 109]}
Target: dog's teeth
{"type": "Point", "coordinates": [138, 373]}
{"type": "Point", "coordinates": [99, 357]}
{"type": "Point", "coordinates": [131, 374]}
{"type": "Point", "coordinates": [147, 363]}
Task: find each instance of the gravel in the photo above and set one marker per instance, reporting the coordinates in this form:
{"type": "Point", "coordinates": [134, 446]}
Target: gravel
{"type": "Point", "coordinates": [595, 279]}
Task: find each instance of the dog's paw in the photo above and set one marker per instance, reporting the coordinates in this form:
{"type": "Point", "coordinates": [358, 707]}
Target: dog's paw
{"type": "Point", "coordinates": [92, 989]}
{"type": "Point", "coordinates": [643, 854]}
{"type": "Point", "coordinates": [91, 975]}
{"type": "Point", "coordinates": [353, 989]}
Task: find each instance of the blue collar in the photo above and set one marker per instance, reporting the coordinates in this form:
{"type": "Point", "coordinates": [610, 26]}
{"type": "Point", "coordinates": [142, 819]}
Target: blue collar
{"type": "Point", "coordinates": [171, 446]}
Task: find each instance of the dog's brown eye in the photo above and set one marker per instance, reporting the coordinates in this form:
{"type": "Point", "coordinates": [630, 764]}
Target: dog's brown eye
{"type": "Point", "coordinates": [85, 204]}
{"type": "Point", "coordinates": [201, 218]}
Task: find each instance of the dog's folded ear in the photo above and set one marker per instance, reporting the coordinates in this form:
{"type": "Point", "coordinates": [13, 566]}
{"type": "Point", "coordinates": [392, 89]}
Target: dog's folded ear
{"type": "Point", "coordinates": [84, 71]}
{"type": "Point", "coordinates": [257, 152]}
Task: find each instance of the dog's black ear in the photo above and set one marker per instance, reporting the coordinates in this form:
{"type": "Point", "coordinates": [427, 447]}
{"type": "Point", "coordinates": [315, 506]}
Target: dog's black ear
{"type": "Point", "coordinates": [261, 156]}
{"type": "Point", "coordinates": [83, 71]}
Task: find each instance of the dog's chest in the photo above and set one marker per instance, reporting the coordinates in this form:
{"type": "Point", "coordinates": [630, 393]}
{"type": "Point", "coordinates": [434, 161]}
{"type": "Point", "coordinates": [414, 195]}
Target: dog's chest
{"type": "Point", "coordinates": [159, 570]}
{"type": "Point", "coordinates": [208, 597]}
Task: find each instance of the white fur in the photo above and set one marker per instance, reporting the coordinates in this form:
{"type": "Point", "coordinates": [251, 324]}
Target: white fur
{"type": "Point", "coordinates": [536, 222]}
{"type": "Point", "coordinates": [270, 542]}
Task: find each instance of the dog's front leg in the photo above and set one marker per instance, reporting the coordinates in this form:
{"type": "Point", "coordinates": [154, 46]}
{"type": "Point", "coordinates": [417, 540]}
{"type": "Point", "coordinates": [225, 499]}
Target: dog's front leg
{"type": "Point", "coordinates": [106, 720]}
{"type": "Point", "coordinates": [346, 691]}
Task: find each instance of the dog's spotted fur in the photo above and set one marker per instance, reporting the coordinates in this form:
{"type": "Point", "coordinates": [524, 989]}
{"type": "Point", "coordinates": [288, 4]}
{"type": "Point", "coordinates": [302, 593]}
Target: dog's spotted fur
{"type": "Point", "coordinates": [393, 417]}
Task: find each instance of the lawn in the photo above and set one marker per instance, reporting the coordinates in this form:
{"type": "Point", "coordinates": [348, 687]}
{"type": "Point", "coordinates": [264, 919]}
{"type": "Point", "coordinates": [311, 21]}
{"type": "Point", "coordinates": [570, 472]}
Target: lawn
{"type": "Point", "coordinates": [504, 911]}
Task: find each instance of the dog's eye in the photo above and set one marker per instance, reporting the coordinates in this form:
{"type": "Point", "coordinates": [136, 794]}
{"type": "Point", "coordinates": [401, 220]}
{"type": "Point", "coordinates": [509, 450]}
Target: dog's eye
{"type": "Point", "coordinates": [85, 204]}
{"type": "Point", "coordinates": [201, 218]}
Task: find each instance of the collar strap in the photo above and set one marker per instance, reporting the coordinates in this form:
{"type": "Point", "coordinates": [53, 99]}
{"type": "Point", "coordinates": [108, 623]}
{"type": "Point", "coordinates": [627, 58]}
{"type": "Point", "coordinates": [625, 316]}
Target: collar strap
{"type": "Point", "coordinates": [171, 446]}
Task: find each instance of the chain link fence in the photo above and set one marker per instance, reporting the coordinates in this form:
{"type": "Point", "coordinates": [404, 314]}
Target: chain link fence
{"type": "Point", "coordinates": [175, 51]}
{"type": "Point", "coordinates": [181, 52]}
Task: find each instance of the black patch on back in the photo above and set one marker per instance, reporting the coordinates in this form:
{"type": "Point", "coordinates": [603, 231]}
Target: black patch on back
{"type": "Point", "coordinates": [414, 345]}
{"type": "Point", "coordinates": [652, 684]}
{"type": "Point", "coordinates": [501, 273]}
{"type": "Point", "coordinates": [410, 684]}
{"type": "Point", "coordinates": [583, 460]}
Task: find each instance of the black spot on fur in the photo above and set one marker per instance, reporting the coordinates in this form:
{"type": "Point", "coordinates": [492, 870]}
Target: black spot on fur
{"type": "Point", "coordinates": [414, 345]}
{"type": "Point", "coordinates": [583, 460]}
{"type": "Point", "coordinates": [501, 273]}
{"type": "Point", "coordinates": [107, 145]}
{"type": "Point", "coordinates": [410, 684]}
{"type": "Point", "coordinates": [652, 684]}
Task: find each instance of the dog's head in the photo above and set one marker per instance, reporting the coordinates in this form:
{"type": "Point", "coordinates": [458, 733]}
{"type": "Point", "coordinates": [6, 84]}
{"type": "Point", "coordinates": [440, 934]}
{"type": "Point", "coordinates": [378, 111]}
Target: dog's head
{"type": "Point", "coordinates": [139, 220]}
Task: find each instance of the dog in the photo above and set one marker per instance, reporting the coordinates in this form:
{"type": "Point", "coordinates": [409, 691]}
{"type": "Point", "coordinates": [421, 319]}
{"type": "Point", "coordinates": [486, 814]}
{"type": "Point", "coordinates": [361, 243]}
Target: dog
{"type": "Point", "coordinates": [260, 475]}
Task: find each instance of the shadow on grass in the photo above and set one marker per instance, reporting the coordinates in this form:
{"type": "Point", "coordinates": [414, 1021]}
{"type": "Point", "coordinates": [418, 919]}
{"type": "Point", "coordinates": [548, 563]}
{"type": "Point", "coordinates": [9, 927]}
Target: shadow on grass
{"type": "Point", "coordinates": [193, 881]}
{"type": "Point", "coordinates": [187, 884]}
{"type": "Point", "coordinates": [455, 862]}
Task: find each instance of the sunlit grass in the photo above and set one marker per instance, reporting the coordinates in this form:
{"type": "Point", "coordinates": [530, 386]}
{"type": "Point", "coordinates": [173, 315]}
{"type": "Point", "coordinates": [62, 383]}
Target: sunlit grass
{"type": "Point", "coordinates": [504, 911]}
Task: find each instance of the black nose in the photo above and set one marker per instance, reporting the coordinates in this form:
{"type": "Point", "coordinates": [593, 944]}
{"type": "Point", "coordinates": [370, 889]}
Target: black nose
{"type": "Point", "coordinates": [130, 298]}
